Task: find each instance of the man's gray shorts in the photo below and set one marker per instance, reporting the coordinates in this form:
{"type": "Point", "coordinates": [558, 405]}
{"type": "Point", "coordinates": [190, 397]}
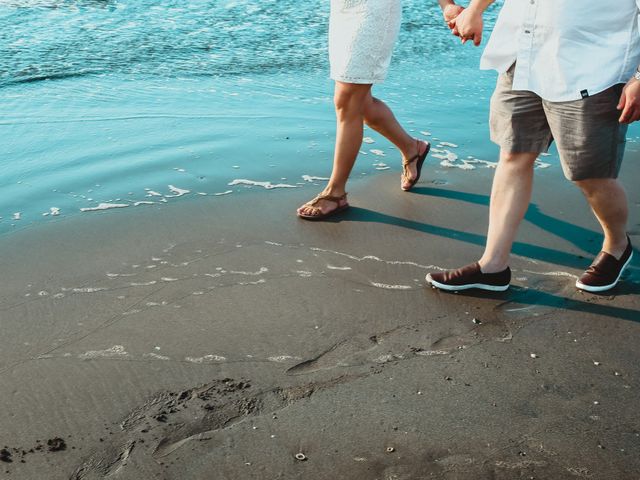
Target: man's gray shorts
{"type": "Point", "coordinates": [587, 133]}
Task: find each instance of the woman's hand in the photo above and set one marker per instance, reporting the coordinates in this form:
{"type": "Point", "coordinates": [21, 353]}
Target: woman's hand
{"type": "Point", "coordinates": [468, 26]}
{"type": "Point", "coordinates": [450, 13]}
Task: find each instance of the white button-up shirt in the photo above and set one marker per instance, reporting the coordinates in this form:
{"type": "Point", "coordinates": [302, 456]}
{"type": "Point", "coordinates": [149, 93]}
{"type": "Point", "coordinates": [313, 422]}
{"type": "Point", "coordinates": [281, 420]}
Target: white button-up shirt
{"type": "Point", "coordinates": [565, 49]}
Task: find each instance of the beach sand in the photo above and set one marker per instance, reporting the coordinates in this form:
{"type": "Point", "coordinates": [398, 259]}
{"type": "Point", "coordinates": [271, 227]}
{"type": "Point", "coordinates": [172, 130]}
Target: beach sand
{"type": "Point", "coordinates": [219, 337]}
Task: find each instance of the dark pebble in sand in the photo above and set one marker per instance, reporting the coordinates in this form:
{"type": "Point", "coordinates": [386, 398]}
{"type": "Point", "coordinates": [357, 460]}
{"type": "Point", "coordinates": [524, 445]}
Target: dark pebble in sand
{"type": "Point", "coordinates": [5, 456]}
{"type": "Point", "coordinates": [56, 444]}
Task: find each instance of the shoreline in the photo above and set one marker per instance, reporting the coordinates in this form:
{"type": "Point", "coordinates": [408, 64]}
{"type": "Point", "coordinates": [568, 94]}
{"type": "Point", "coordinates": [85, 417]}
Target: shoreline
{"type": "Point", "coordinates": [226, 335]}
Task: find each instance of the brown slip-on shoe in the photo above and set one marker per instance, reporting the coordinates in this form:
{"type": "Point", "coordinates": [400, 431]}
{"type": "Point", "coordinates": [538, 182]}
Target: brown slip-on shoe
{"type": "Point", "coordinates": [470, 276]}
{"type": "Point", "coordinates": [605, 271]}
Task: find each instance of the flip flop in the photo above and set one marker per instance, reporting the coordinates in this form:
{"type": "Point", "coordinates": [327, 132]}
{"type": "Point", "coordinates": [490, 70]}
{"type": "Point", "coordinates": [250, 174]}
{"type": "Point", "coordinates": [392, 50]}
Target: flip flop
{"type": "Point", "coordinates": [320, 215]}
{"type": "Point", "coordinates": [420, 158]}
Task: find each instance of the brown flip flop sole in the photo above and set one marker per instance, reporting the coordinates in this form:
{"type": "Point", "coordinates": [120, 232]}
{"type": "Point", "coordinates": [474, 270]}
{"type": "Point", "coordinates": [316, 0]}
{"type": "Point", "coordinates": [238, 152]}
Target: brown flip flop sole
{"type": "Point", "coordinates": [322, 216]}
{"type": "Point", "coordinates": [420, 161]}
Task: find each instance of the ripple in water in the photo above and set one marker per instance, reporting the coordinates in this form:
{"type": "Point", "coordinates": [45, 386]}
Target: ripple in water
{"type": "Point", "coordinates": [49, 39]}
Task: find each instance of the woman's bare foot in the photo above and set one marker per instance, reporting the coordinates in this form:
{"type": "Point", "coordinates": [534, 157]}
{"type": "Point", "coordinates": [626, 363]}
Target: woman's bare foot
{"type": "Point", "coordinates": [410, 165]}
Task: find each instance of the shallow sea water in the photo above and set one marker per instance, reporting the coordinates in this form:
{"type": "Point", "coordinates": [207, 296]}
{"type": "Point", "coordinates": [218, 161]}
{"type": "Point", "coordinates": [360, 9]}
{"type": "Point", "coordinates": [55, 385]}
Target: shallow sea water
{"type": "Point", "coordinates": [114, 104]}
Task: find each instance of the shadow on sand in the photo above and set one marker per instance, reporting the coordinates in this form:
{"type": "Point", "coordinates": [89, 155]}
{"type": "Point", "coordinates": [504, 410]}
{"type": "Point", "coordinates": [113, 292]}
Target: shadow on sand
{"type": "Point", "coordinates": [585, 239]}
{"type": "Point", "coordinates": [526, 296]}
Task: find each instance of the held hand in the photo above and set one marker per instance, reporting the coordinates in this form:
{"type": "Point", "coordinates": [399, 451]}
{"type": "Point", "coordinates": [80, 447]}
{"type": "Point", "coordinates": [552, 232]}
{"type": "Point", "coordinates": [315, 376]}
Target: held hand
{"type": "Point", "coordinates": [450, 13]}
{"type": "Point", "coordinates": [630, 102]}
{"type": "Point", "coordinates": [468, 26]}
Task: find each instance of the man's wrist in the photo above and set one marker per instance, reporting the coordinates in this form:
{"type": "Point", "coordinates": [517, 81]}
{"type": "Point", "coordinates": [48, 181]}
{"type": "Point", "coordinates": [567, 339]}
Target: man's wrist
{"type": "Point", "coordinates": [477, 7]}
{"type": "Point", "coordinates": [445, 3]}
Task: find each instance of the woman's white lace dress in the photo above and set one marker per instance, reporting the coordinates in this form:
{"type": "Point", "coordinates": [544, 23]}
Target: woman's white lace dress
{"type": "Point", "coordinates": [362, 34]}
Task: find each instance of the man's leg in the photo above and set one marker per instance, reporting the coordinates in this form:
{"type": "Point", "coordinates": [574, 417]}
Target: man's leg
{"type": "Point", "coordinates": [608, 200]}
{"type": "Point", "coordinates": [510, 197]}
{"type": "Point", "coordinates": [609, 204]}
{"type": "Point", "coordinates": [591, 144]}
{"type": "Point", "coordinates": [518, 124]}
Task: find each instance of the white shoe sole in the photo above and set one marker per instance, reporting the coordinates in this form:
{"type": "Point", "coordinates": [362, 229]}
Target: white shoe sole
{"type": "Point", "coordinates": [457, 288]}
{"type": "Point", "coordinates": [603, 288]}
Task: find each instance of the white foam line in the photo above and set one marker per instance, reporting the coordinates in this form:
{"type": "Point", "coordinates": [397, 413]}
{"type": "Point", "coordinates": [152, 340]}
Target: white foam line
{"type": "Point", "coordinates": [257, 282]}
{"type": "Point", "coordinates": [331, 267]}
{"type": "Point", "coordinates": [462, 166]}
{"type": "Point", "coordinates": [115, 351]}
{"type": "Point", "coordinates": [540, 164]}
{"type": "Point", "coordinates": [368, 140]}
{"type": "Point", "coordinates": [104, 206]}
{"type": "Point", "coordinates": [391, 287]}
{"type": "Point", "coordinates": [143, 284]}
{"type": "Point", "coordinates": [375, 151]}
{"type": "Point", "coordinates": [311, 178]}
{"type": "Point", "coordinates": [178, 191]}
{"type": "Point", "coordinates": [282, 358]}
{"type": "Point", "coordinates": [267, 185]}
{"type": "Point", "coordinates": [84, 289]}
{"type": "Point", "coordinates": [448, 144]}
{"type": "Point", "coordinates": [143, 202]}
{"type": "Point", "coordinates": [520, 309]}
{"type": "Point", "coordinates": [206, 359]}
{"type": "Point", "coordinates": [156, 356]}
{"type": "Point", "coordinates": [429, 353]}
{"type": "Point", "coordinates": [553, 274]}
{"type": "Point", "coordinates": [259, 272]}
{"type": "Point", "coordinates": [378, 259]}
{"type": "Point", "coordinates": [223, 193]}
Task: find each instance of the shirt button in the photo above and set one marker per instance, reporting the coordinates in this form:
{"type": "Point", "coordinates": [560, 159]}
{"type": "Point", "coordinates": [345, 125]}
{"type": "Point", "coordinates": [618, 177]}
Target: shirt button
{"type": "Point", "coordinates": [527, 31]}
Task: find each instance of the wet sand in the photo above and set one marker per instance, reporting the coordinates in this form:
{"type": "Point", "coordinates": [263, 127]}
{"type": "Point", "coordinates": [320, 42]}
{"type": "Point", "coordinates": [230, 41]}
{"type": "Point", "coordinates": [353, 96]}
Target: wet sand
{"type": "Point", "coordinates": [219, 338]}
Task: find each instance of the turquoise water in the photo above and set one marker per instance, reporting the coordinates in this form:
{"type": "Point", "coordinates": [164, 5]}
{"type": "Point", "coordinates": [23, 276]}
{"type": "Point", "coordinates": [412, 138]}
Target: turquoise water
{"type": "Point", "coordinates": [135, 103]}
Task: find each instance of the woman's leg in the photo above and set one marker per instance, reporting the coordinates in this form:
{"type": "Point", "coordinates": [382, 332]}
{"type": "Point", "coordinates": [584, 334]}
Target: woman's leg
{"type": "Point", "coordinates": [379, 117]}
{"type": "Point", "coordinates": [349, 99]}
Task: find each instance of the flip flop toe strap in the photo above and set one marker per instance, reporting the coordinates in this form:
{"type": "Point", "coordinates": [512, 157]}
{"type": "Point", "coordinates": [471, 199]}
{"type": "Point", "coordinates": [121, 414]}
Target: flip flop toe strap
{"type": "Point", "coordinates": [406, 163]}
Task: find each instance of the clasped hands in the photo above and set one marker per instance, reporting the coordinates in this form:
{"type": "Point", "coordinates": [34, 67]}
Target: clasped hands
{"type": "Point", "coordinates": [465, 23]}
